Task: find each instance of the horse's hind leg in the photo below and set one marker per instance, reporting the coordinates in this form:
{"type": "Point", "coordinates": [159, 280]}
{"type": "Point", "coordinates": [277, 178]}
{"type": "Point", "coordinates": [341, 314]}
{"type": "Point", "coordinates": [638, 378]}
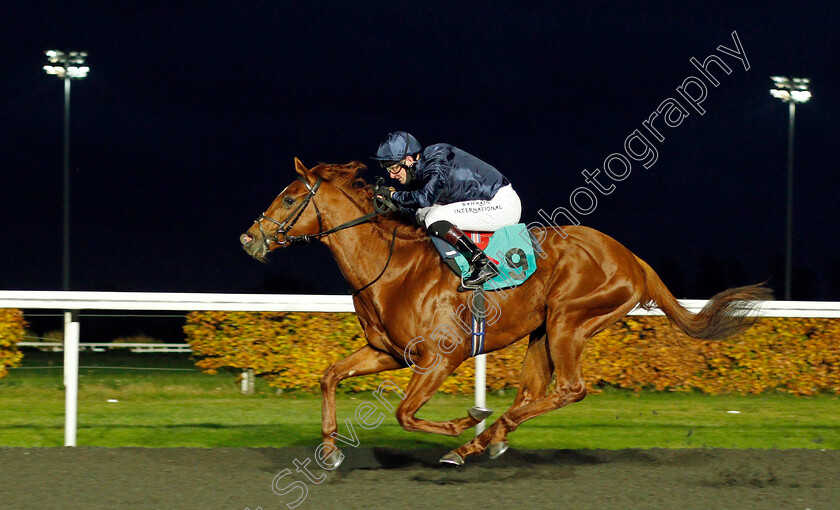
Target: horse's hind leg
{"type": "Point", "coordinates": [568, 331]}
{"type": "Point", "coordinates": [536, 375]}
{"type": "Point", "coordinates": [536, 370]}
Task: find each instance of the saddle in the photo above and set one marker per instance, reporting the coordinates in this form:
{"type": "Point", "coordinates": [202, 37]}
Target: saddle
{"type": "Point", "coordinates": [511, 248]}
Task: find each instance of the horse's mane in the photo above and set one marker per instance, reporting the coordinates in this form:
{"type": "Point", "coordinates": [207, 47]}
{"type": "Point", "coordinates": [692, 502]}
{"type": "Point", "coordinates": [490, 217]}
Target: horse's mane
{"type": "Point", "coordinates": [346, 177]}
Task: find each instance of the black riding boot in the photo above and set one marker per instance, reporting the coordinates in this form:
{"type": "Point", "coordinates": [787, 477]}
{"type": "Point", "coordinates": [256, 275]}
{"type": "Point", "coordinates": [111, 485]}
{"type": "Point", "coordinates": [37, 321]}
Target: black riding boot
{"type": "Point", "coordinates": [481, 269]}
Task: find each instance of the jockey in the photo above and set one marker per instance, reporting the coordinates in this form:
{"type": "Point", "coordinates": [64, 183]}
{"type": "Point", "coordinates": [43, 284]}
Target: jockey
{"type": "Point", "coordinates": [449, 191]}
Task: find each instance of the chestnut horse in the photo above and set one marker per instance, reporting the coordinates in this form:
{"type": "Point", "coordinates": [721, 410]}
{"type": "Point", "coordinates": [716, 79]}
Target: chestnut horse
{"type": "Point", "coordinates": [585, 282]}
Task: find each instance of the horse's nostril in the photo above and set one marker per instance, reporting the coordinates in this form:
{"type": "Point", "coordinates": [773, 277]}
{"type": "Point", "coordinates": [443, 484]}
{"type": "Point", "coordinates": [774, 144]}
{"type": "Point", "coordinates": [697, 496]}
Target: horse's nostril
{"type": "Point", "coordinates": [246, 239]}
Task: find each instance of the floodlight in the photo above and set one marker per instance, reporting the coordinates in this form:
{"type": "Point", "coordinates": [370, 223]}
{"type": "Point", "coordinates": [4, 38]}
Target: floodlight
{"type": "Point", "coordinates": [791, 89]}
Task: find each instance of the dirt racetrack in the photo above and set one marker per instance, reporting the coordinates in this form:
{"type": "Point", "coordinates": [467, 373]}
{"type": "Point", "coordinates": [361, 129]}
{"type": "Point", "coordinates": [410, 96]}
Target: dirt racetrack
{"type": "Point", "coordinates": [239, 478]}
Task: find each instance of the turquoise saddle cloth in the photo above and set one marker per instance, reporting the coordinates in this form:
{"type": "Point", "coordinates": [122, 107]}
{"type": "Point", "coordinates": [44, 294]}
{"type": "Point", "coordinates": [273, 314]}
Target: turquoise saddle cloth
{"type": "Point", "coordinates": [511, 247]}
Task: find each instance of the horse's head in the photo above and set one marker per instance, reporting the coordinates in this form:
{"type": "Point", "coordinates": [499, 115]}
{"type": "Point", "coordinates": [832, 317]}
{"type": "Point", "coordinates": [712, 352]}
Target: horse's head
{"type": "Point", "coordinates": [291, 217]}
{"type": "Point", "coordinates": [294, 215]}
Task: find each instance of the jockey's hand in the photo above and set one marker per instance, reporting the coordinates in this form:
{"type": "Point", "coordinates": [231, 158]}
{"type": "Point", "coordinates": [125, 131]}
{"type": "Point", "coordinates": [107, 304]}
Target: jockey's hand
{"type": "Point", "coordinates": [383, 191]}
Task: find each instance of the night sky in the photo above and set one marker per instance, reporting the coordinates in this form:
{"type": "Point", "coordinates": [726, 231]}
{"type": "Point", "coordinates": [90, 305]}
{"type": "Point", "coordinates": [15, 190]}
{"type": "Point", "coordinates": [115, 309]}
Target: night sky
{"type": "Point", "coordinates": [188, 124]}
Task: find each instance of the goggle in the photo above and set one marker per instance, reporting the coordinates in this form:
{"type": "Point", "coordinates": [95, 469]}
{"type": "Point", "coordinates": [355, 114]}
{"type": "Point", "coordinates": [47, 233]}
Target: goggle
{"type": "Point", "coordinates": [393, 167]}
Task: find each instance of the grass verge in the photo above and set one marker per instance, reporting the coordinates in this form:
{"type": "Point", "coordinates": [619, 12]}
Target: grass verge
{"type": "Point", "coordinates": [165, 408]}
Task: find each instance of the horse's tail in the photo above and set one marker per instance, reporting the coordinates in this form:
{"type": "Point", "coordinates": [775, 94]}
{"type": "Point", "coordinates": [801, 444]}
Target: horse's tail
{"type": "Point", "coordinates": [727, 313]}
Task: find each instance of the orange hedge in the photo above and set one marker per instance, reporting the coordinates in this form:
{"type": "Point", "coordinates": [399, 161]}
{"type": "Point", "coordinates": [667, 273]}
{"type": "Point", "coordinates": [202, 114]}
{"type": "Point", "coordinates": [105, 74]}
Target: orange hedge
{"type": "Point", "coordinates": [800, 356]}
{"type": "Point", "coordinates": [12, 328]}
{"type": "Point", "coordinates": [292, 350]}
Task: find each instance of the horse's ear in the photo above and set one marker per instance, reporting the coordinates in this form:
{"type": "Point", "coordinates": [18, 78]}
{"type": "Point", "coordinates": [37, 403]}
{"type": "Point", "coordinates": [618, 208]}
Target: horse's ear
{"type": "Point", "coordinates": [303, 171]}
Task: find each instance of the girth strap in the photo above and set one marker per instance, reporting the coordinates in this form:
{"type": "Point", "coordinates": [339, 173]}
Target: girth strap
{"type": "Point", "coordinates": [479, 322]}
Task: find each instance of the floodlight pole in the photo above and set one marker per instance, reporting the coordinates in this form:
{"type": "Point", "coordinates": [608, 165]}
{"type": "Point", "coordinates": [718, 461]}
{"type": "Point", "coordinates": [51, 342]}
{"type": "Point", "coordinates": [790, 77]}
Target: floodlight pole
{"type": "Point", "coordinates": [67, 66]}
{"type": "Point", "coordinates": [790, 91]}
{"type": "Point", "coordinates": [65, 266]}
{"type": "Point", "coordinates": [789, 242]}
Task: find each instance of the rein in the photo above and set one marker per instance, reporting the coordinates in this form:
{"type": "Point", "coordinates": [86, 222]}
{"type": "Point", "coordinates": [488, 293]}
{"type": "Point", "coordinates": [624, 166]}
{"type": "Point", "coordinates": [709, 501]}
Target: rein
{"type": "Point", "coordinates": [381, 206]}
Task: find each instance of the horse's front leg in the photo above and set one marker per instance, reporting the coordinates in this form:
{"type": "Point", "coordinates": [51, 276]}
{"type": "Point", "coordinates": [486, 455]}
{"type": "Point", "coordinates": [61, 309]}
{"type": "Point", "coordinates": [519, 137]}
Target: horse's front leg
{"type": "Point", "coordinates": [423, 385]}
{"type": "Point", "coordinates": [364, 361]}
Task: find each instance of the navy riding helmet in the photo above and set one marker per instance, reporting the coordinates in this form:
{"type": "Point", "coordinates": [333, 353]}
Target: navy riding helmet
{"type": "Point", "coordinates": [396, 147]}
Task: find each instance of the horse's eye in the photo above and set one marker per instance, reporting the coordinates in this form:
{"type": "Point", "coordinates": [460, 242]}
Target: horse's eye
{"type": "Point", "coordinates": [288, 200]}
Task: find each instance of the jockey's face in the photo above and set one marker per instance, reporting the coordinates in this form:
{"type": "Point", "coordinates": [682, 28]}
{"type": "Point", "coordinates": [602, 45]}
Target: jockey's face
{"type": "Point", "coordinates": [399, 170]}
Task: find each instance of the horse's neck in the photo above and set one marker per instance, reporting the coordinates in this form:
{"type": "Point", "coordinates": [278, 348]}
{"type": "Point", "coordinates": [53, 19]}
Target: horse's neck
{"type": "Point", "coordinates": [362, 253]}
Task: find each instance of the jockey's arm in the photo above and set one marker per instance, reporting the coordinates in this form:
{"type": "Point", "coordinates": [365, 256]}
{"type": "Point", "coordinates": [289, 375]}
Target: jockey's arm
{"type": "Point", "coordinates": [434, 175]}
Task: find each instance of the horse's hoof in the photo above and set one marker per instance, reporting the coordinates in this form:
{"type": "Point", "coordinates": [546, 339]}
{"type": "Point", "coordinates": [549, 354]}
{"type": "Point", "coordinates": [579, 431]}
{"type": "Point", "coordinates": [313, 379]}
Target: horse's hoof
{"type": "Point", "coordinates": [333, 460]}
{"type": "Point", "coordinates": [479, 413]}
{"type": "Point", "coordinates": [496, 449]}
{"type": "Point", "coordinates": [452, 458]}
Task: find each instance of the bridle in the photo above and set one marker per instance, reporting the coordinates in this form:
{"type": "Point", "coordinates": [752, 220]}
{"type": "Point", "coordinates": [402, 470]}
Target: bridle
{"type": "Point", "coordinates": [287, 224]}
{"type": "Point", "coordinates": [282, 238]}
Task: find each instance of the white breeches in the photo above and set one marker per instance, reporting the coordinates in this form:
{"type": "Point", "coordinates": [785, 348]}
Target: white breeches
{"type": "Point", "coordinates": [480, 215]}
